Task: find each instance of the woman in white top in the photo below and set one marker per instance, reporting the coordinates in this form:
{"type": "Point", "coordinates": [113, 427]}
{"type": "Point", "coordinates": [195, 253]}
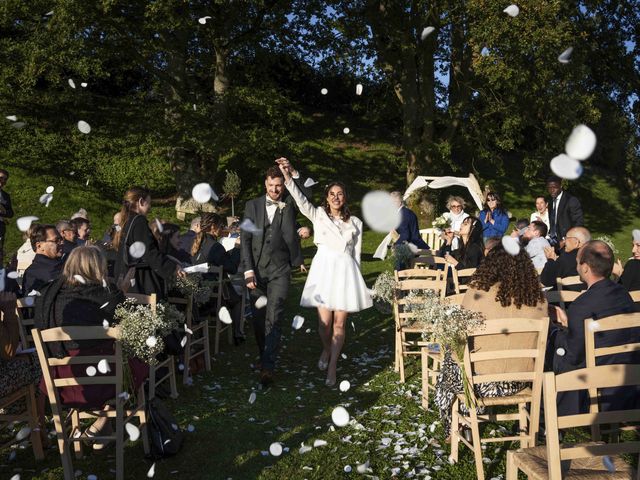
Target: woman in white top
{"type": "Point", "coordinates": [456, 215]}
{"type": "Point", "coordinates": [335, 285]}
{"type": "Point", "coordinates": [542, 211]}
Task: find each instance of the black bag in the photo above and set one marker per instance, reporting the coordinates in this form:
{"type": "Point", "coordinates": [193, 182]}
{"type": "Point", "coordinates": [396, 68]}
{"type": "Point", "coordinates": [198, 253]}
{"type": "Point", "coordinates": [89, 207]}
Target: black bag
{"type": "Point", "coordinates": [165, 436]}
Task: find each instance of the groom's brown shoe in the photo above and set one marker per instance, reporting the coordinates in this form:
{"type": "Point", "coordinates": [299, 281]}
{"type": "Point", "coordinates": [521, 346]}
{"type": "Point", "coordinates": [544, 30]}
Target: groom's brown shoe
{"type": "Point", "coordinates": [266, 377]}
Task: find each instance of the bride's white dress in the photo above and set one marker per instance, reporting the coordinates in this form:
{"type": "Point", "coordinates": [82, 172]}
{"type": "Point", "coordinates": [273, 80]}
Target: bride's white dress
{"type": "Point", "coordinates": [334, 279]}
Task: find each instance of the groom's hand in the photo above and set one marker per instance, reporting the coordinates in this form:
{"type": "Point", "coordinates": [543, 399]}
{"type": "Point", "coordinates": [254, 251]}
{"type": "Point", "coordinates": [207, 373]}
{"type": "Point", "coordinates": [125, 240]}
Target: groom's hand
{"type": "Point", "coordinates": [250, 281]}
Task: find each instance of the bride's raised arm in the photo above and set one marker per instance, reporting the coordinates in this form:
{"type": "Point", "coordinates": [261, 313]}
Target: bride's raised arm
{"type": "Point", "coordinates": [304, 205]}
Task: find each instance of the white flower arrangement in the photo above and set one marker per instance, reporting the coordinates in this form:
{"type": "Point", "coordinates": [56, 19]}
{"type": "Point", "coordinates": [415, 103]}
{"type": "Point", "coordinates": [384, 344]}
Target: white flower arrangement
{"type": "Point", "coordinates": [383, 290]}
{"type": "Point", "coordinates": [194, 285]}
{"type": "Point", "coordinates": [442, 222]}
{"type": "Point", "coordinates": [402, 254]}
{"type": "Point", "coordinates": [141, 330]}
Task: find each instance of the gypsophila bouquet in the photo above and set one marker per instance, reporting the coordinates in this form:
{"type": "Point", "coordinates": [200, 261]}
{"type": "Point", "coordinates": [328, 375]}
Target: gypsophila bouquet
{"type": "Point", "coordinates": [425, 306]}
{"type": "Point", "coordinates": [402, 254]}
{"type": "Point", "coordinates": [383, 292]}
{"type": "Point", "coordinates": [609, 241]}
{"type": "Point", "coordinates": [194, 285]}
{"type": "Point", "coordinates": [141, 330]}
{"type": "Point", "coordinates": [442, 222]}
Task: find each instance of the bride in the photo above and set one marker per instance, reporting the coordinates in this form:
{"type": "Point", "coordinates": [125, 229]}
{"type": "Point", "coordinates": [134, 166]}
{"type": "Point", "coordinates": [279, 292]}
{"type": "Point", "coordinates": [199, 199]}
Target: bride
{"type": "Point", "coordinates": [334, 285]}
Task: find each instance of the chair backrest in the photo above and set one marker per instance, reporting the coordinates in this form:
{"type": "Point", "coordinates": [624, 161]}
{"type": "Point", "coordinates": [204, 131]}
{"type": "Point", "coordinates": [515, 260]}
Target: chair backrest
{"type": "Point", "coordinates": [402, 310]}
{"type": "Point", "coordinates": [635, 296]}
{"type": "Point", "coordinates": [432, 237]}
{"type": "Point", "coordinates": [562, 297]}
{"type": "Point", "coordinates": [607, 324]}
{"type": "Point", "coordinates": [591, 379]}
{"type": "Point", "coordinates": [62, 334]}
{"type": "Point", "coordinates": [25, 312]}
{"type": "Point", "coordinates": [143, 299]}
{"type": "Point", "coordinates": [505, 357]}
{"type": "Point", "coordinates": [217, 288]}
{"type": "Point", "coordinates": [459, 274]}
{"type": "Point", "coordinates": [571, 281]}
{"type": "Point", "coordinates": [188, 307]}
{"type": "Point", "coordinates": [455, 299]}
{"type": "Point", "coordinates": [419, 274]}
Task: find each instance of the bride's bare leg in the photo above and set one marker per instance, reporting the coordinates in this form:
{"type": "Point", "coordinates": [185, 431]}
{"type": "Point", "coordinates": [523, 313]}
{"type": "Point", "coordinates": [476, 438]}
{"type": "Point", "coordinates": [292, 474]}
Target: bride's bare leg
{"type": "Point", "coordinates": [337, 341]}
{"type": "Point", "coordinates": [325, 322]}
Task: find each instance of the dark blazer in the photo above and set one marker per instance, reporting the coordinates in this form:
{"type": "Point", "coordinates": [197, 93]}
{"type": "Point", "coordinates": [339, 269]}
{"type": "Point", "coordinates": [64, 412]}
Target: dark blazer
{"type": "Point", "coordinates": [569, 215]}
{"type": "Point", "coordinates": [631, 276]}
{"type": "Point", "coordinates": [409, 230]}
{"type": "Point", "coordinates": [5, 201]}
{"type": "Point", "coordinates": [41, 271]}
{"type": "Point", "coordinates": [153, 269]}
{"type": "Point", "coordinates": [285, 241]}
{"type": "Point", "coordinates": [67, 247]}
{"type": "Point", "coordinates": [564, 266]}
{"type": "Point", "coordinates": [186, 240]}
{"type": "Point", "coordinates": [212, 252]}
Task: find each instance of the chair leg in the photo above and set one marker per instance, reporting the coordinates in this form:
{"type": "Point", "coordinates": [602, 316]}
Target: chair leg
{"type": "Point", "coordinates": [477, 444]}
{"type": "Point", "coordinates": [424, 362]}
{"type": "Point", "coordinates": [401, 357]}
{"type": "Point", "coordinates": [512, 470]}
{"type": "Point", "coordinates": [455, 430]}
{"type": "Point", "coordinates": [172, 377]}
{"type": "Point", "coordinates": [119, 440]}
{"type": "Point", "coordinates": [524, 426]}
{"type": "Point", "coordinates": [216, 345]}
{"type": "Point", "coordinates": [75, 426]}
{"type": "Point", "coordinates": [187, 361]}
{"type": "Point", "coordinates": [396, 360]}
{"type": "Point", "coordinates": [34, 424]}
{"type": "Point", "coordinates": [152, 382]}
{"type": "Point", "coordinates": [206, 346]}
{"type": "Point", "coordinates": [229, 335]}
{"type": "Point", "coordinates": [142, 416]}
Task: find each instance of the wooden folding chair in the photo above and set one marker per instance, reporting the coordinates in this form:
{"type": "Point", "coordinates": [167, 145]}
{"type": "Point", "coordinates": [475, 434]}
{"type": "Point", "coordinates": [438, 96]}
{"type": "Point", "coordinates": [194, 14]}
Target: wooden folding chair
{"type": "Point", "coordinates": [24, 311]}
{"type": "Point", "coordinates": [455, 299]}
{"type": "Point", "coordinates": [24, 397]}
{"type": "Point", "coordinates": [198, 340]}
{"type": "Point", "coordinates": [635, 296]}
{"type": "Point", "coordinates": [499, 358]}
{"type": "Point", "coordinates": [592, 353]}
{"type": "Point", "coordinates": [68, 431]}
{"type": "Point", "coordinates": [432, 262]}
{"type": "Point", "coordinates": [432, 237]}
{"type": "Point", "coordinates": [217, 295]}
{"type": "Point", "coordinates": [562, 297]}
{"type": "Point", "coordinates": [464, 273]}
{"type": "Point", "coordinates": [572, 281]}
{"type": "Point", "coordinates": [560, 460]}
{"type": "Point", "coordinates": [409, 338]}
{"type": "Point", "coordinates": [169, 363]}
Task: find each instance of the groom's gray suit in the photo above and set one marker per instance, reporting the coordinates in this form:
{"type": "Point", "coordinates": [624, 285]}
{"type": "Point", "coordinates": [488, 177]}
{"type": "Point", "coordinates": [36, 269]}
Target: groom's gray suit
{"type": "Point", "coordinates": [270, 253]}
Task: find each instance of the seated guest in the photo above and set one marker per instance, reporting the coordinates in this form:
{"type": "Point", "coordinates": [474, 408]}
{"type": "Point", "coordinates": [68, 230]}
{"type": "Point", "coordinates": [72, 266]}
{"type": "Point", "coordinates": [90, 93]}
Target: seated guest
{"type": "Point", "coordinates": [630, 275]}
{"type": "Point", "coordinates": [107, 238]}
{"type": "Point", "coordinates": [25, 253]}
{"type": "Point", "coordinates": [456, 215]}
{"type": "Point", "coordinates": [80, 298]}
{"type": "Point", "coordinates": [16, 371]}
{"type": "Point", "coordinates": [68, 233]}
{"type": "Point", "coordinates": [494, 217]}
{"type": "Point", "coordinates": [408, 231]}
{"type": "Point", "coordinates": [47, 263]}
{"type": "Point", "coordinates": [535, 243]}
{"type": "Point", "coordinates": [565, 264]}
{"type": "Point", "coordinates": [83, 230]}
{"type": "Point", "coordinates": [603, 298]}
{"type": "Point", "coordinates": [503, 286]}
{"type": "Point", "coordinates": [471, 250]}
{"type": "Point", "coordinates": [169, 242]}
{"type": "Point", "coordinates": [207, 249]}
{"type": "Point", "coordinates": [542, 211]}
{"type": "Point", "coordinates": [186, 239]}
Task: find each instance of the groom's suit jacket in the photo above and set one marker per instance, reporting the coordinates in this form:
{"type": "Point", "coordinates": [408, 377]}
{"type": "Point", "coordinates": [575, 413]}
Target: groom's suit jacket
{"type": "Point", "coordinates": [285, 243]}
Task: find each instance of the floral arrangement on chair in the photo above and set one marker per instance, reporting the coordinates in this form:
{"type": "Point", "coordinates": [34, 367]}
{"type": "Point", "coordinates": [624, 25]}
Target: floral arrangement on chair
{"type": "Point", "coordinates": [382, 292]}
{"type": "Point", "coordinates": [141, 330]}
{"type": "Point", "coordinates": [403, 254]}
{"type": "Point", "coordinates": [194, 285]}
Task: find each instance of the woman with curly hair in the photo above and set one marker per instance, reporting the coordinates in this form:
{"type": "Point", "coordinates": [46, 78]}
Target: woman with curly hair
{"type": "Point", "coordinates": [503, 286]}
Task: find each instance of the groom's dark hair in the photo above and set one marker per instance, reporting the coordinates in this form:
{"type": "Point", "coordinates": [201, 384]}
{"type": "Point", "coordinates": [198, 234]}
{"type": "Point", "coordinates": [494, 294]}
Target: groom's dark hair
{"type": "Point", "coordinates": [273, 172]}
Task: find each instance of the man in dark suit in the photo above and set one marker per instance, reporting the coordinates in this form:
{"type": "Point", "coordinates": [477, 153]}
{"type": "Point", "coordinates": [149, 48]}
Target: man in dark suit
{"type": "Point", "coordinates": [6, 211]}
{"type": "Point", "coordinates": [269, 248]}
{"type": "Point", "coordinates": [47, 264]}
{"type": "Point", "coordinates": [408, 231]}
{"type": "Point", "coordinates": [565, 264]}
{"type": "Point", "coordinates": [186, 239]}
{"type": "Point", "coordinates": [565, 212]}
{"type": "Point", "coordinates": [603, 298]}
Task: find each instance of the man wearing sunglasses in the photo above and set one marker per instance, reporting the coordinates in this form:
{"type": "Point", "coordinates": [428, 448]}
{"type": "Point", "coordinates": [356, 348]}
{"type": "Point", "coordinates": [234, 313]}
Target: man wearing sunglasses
{"type": "Point", "coordinates": [6, 211]}
{"type": "Point", "coordinates": [47, 264]}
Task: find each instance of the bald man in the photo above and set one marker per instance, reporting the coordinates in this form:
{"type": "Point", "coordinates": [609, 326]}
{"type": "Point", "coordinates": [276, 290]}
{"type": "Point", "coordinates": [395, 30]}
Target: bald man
{"type": "Point", "coordinates": [564, 265]}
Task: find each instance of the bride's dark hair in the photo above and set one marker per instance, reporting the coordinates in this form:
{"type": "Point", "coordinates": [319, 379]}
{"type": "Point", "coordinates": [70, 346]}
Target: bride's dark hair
{"type": "Point", "coordinates": [345, 214]}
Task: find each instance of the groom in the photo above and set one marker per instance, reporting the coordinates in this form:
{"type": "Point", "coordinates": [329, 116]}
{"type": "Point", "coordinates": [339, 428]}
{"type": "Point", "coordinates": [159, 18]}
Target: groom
{"type": "Point", "coordinates": [268, 253]}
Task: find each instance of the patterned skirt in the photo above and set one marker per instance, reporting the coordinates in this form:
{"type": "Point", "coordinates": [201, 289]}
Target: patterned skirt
{"type": "Point", "coordinates": [18, 372]}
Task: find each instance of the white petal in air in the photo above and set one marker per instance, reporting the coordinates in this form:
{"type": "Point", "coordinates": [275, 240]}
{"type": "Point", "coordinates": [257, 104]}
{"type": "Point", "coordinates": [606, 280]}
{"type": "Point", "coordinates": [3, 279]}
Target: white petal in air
{"type": "Point", "coordinates": [105, 324]}
{"type": "Point", "coordinates": [261, 302]}
{"type": "Point", "coordinates": [13, 118]}
{"type": "Point", "coordinates": [91, 371]}
{"type": "Point", "coordinates": [512, 10]}
{"type": "Point", "coordinates": [324, 91]}
{"type": "Point", "coordinates": [345, 130]}
{"type": "Point", "coordinates": [25, 222]}
{"type": "Point", "coordinates": [561, 352]}
{"type": "Point", "coordinates": [380, 212]}
{"type": "Point", "coordinates": [203, 192]}
{"type": "Point", "coordinates": [50, 189]}
{"type": "Point", "coordinates": [359, 89]}
{"type": "Point", "coordinates": [23, 433]}
{"type": "Point", "coordinates": [84, 127]}
{"type": "Point", "coordinates": [581, 143]}
{"type": "Point", "coordinates": [137, 249]}
{"type": "Point", "coordinates": [224, 315]}
{"type": "Point", "coordinates": [159, 225]}
{"type": "Point", "coordinates": [203, 20]}
{"type": "Point", "coordinates": [29, 301]}
{"type": "Point", "coordinates": [84, 84]}
{"type": "Point", "coordinates": [565, 57]}
{"type": "Point", "coordinates": [566, 167]}
{"type": "Point", "coordinates": [80, 279]}
{"type": "Point", "coordinates": [13, 275]}
{"type": "Point", "coordinates": [297, 323]}
{"type": "Point", "coordinates": [340, 416]}
{"type": "Point", "coordinates": [426, 31]}
{"type": "Point", "coordinates": [152, 471]}
{"type": "Point", "coordinates": [151, 341]}
{"type": "Point", "coordinates": [344, 386]}
{"type": "Point", "coordinates": [18, 125]}
{"type": "Point", "coordinates": [310, 182]}
{"type": "Point", "coordinates": [103, 366]}
{"type": "Point", "coordinates": [608, 464]}
{"type": "Point", "coordinates": [132, 431]}
{"type": "Point", "coordinates": [511, 245]}
{"type": "Point", "coordinates": [71, 83]}
{"type": "Point", "coordinates": [275, 449]}
{"type": "Point", "coordinates": [249, 227]}
{"type": "Point", "coordinates": [252, 398]}
{"type": "Point", "coordinates": [636, 235]}
{"type": "Point", "coordinates": [319, 443]}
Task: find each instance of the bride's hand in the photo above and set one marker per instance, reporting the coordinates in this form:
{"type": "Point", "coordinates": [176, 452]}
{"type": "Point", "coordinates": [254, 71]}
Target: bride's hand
{"type": "Point", "coordinates": [285, 167]}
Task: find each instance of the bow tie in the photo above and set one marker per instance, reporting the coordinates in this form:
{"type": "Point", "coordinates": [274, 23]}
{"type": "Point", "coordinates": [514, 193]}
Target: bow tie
{"type": "Point", "coordinates": [271, 203]}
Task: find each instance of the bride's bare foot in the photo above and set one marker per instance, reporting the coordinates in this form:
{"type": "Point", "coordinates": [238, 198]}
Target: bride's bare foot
{"type": "Point", "coordinates": [323, 363]}
{"type": "Point", "coordinates": [331, 380]}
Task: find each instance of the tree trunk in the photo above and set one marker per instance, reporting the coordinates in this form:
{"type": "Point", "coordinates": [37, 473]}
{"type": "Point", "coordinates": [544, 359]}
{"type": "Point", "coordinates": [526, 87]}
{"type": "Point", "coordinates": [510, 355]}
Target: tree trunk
{"type": "Point", "coordinates": [220, 81]}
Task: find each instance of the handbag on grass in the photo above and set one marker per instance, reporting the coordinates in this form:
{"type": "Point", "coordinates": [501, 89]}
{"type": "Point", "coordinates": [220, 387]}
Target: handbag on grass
{"type": "Point", "coordinates": [165, 436]}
